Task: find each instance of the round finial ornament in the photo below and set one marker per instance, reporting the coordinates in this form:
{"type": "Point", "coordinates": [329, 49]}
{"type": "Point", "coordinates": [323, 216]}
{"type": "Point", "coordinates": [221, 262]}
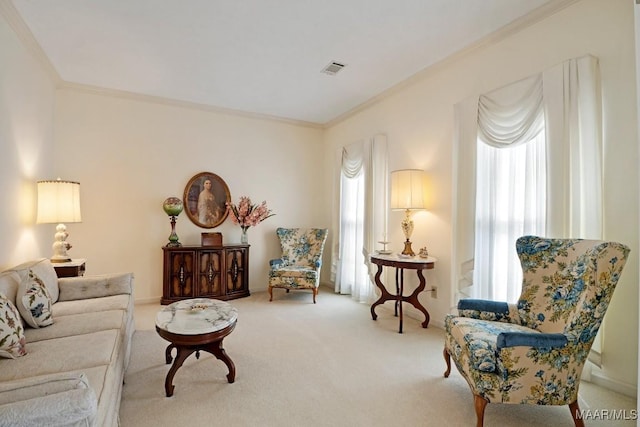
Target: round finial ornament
{"type": "Point", "coordinates": [172, 206]}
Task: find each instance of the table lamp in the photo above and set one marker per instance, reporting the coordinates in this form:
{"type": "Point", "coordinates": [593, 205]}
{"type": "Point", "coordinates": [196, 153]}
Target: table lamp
{"type": "Point", "coordinates": [408, 192]}
{"type": "Point", "coordinates": [59, 203]}
{"type": "Point", "coordinates": [173, 207]}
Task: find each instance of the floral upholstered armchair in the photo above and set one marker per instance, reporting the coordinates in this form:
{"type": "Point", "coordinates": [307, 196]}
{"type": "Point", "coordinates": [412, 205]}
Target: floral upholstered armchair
{"type": "Point", "coordinates": [301, 260]}
{"type": "Point", "coordinates": [534, 352]}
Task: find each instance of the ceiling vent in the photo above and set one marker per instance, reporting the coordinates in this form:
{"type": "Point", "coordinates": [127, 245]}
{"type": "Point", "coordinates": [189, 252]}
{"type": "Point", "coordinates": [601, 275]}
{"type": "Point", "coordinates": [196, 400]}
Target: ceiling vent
{"type": "Point", "coordinates": [333, 68]}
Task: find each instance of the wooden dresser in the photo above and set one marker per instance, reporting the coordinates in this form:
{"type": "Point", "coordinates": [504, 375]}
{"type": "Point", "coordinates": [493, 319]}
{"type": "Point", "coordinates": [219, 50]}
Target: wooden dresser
{"type": "Point", "coordinates": [205, 272]}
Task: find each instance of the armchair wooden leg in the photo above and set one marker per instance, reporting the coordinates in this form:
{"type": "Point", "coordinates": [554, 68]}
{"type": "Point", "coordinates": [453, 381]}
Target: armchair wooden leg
{"type": "Point", "coordinates": [480, 403]}
{"type": "Point", "coordinates": [315, 292]}
{"type": "Point", "coordinates": [270, 293]}
{"type": "Point", "coordinates": [447, 358]}
{"type": "Point", "coordinates": [575, 414]}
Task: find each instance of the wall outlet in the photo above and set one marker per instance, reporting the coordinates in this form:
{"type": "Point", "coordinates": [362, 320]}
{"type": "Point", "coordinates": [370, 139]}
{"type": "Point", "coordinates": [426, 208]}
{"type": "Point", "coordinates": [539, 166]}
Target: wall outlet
{"type": "Point", "coordinates": [434, 292]}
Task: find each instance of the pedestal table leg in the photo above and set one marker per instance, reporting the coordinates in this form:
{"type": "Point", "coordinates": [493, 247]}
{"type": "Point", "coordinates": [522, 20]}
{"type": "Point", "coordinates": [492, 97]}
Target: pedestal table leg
{"type": "Point", "coordinates": [414, 301]}
{"type": "Point", "coordinates": [216, 349]}
{"type": "Point", "coordinates": [182, 354]}
{"type": "Point", "coordinates": [384, 294]}
{"type": "Point", "coordinates": [400, 291]}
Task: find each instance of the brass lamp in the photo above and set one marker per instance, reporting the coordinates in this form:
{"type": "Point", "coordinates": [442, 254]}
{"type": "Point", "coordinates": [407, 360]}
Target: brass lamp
{"type": "Point", "coordinates": [59, 202]}
{"type": "Point", "coordinates": [408, 192]}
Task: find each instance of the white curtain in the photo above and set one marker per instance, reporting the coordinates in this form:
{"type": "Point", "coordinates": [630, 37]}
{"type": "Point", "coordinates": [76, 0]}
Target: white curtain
{"type": "Point", "coordinates": [573, 116]}
{"type": "Point", "coordinates": [351, 276]}
{"type": "Point", "coordinates": [510, 185]}
{"type": "Point", "coordinates": [361, 217]}
{"type": "Point", "coordinates": [464, 196]}
{"type": "Point", "coordinates": [572, 121]}
{"type": "Point", "coordinates": [376, 201]}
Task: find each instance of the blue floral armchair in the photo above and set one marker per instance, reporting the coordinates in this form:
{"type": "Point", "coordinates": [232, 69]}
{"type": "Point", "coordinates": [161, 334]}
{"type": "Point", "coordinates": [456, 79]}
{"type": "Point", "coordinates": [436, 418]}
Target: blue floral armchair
{"type": "Point", "coordinates": [534, 352]}
{"type": "Point", "coordinates": [301, 260]}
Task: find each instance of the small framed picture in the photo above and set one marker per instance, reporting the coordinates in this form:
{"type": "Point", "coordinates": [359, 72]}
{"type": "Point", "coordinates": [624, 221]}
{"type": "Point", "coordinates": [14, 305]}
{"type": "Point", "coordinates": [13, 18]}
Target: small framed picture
{"type": "Point", "coordinates": [205, 200]}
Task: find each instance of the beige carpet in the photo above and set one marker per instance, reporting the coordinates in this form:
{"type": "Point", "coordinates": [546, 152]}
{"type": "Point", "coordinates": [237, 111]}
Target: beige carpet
{"type": "Point", "coordinates": [328, 364]}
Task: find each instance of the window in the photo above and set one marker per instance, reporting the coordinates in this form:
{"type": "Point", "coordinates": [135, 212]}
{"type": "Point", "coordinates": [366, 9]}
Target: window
{"type": "Point", "coordinates": [352, 275]}
{"type": "Point", "coordinates": [359, 217]}
{"type": "Point", "coordinates": [510, 202]}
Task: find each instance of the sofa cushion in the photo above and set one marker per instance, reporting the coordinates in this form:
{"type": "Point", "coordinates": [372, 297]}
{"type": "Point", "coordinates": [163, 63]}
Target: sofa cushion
{"type": "Point", "coordinates": [79, 324]}
{"type": "Point", "coordinates": [34, 301]}
{"type": "Point", "coordinates": [66, 354]}
{"type": "Point", "coordinates": [295, 271]}
{"type": "Point", "coordinates": [115, 302]}
{"type": "Point", "coordinates": [97, 286]}
{"type": "Point", "coordinates": [12, 342]}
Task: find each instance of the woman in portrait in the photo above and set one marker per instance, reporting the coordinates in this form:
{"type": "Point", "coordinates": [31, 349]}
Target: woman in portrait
{"type": "Point", "coordinates": [208, 209]}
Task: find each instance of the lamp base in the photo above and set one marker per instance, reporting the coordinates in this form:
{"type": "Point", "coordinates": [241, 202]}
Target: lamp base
{"type": "Point", "coordinates": [60, 246]}
{"type": "Point", "coordinates": [173, 237]}
{"type": "Point", "coordinates": [407, 249]}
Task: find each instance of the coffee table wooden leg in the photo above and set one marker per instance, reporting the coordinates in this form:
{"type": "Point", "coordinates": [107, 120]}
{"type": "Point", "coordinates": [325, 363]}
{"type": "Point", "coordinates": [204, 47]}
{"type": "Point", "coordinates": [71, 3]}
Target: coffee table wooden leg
{"type": "Point", "coordinates": [167, 353]}
{"type": "Point", "coordinates": [181, 356]}
{"type": "Point", "coordinates": [216, 349]}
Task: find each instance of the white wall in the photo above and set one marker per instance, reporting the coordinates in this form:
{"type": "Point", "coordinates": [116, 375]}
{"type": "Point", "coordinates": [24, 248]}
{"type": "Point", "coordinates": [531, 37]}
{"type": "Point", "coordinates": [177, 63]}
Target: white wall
{"type": "Point", "coordinates": [129, 155]}
{"type": "Point", "coordinates": [418, 120]}
{"type": "Point", "coordinates": [26, 141]}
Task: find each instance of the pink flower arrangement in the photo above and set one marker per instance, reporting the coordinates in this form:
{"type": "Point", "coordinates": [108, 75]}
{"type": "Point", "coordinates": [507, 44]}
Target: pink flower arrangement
{"type": "Point", "coordinates": [246, 214]}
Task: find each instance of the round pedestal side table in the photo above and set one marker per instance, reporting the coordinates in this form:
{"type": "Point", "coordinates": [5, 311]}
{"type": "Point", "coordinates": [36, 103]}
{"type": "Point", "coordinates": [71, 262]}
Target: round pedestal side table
{"type": "Point", "coordinates": [196, 325]}
{"type": "Point", "coordinates": [400, 264]}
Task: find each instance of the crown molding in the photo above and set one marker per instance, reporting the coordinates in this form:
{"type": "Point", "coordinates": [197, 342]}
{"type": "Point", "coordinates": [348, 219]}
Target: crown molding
{"type": "Point", "coordinates": [513, 27]}
{"type": "Point", "coordinates": [15, 21]}
{"type": "Point", "coordinates": [96, 90]}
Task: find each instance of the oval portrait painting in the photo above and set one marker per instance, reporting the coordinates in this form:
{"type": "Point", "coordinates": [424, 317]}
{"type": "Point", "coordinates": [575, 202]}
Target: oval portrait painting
{"type": "Point", "coordinates": [205, 198]}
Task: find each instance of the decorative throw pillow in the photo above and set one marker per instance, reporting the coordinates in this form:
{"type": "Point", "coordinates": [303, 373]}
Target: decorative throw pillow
{"type": "Point", "coordinates": [12, 342]}
{"type": "Point", "coordinates": [34, 301]}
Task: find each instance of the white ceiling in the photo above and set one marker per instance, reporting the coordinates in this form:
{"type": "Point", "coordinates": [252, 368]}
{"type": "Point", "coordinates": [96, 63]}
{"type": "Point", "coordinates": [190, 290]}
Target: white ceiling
{"type": "Point", "coordinates": [261, 56]}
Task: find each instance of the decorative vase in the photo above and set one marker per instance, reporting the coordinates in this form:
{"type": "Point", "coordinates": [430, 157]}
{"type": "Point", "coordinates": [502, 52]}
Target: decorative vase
{"type": "Point", "coordinates": [244, 239]}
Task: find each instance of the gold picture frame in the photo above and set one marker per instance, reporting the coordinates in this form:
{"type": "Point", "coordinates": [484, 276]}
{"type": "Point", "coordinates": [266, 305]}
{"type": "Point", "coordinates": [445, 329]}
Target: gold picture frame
{"type": "Point", "coordinates": [205, 200]}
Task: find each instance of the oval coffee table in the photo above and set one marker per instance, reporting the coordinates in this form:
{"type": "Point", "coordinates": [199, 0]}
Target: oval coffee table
{"type": "Point", "coordinates": [196, 325]}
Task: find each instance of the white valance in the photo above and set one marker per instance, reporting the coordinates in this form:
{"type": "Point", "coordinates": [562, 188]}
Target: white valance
{"type": "Point", "coordinates": [511, 115]}
{"type": "Point", "coordinates": [352, 159]}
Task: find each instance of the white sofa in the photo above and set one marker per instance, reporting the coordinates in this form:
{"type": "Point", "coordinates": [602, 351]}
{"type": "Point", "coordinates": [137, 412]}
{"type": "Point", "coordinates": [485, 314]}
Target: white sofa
{"type": "Point", "coordinates": [73, 370]}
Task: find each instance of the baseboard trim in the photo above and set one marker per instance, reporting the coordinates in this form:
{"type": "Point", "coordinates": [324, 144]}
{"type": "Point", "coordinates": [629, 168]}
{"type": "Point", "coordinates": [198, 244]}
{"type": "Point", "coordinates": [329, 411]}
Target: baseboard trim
{"type": "Point", "coordinates": [610, 384]}
{"type": "Point", "coordinates": [151, 300]}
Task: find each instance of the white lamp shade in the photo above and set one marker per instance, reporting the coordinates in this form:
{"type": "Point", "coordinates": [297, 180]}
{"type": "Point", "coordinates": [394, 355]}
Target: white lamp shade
{"type": "Point", "coordinates": [58, 202]}
{"type": "Point", "coordinates": [408, 189]}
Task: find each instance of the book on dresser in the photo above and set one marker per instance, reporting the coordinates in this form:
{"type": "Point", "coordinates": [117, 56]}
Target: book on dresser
{"type": "Point", "coordinates": [219, 272]}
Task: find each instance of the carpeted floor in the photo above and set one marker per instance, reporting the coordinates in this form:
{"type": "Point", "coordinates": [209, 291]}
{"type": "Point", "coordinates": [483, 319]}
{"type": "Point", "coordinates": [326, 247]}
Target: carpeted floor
{"type": "Point", "coordinates": [328, 364]}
